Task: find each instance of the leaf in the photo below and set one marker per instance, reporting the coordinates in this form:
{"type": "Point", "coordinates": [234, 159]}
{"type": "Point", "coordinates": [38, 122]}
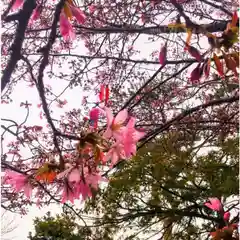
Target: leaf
{"type": "Point", "coordinates": [236, 58]}
{"type": "Point", "coordinates": [196, 74]}
{"type": "Point", "coordinates": [97, 154]}
{"type": "Point", "coordinates": [230, 63]}
{"type": "Point", "coordinates": [195, 53]}
{"type": "Point", "coordinates": [218, 64]}
{"type": "Point", "coordinates": [67, 11]}
{"type": "Point", "coordinates": [43, 169]}
{"type": "Point", "coordinates": [45, 174]}
{"type": "Point", "coordinates": [234, 19]}
{"type": "Point", "coordinates": [206, 68]}
{"type": "Point", "coordinates": [189, 35]}
{"type": "Point", "coordinates": [212, 40]}
{"type": "Point", "coordinates": [176, 25]}
{"type": "Point", "coordinates": [229, 37]}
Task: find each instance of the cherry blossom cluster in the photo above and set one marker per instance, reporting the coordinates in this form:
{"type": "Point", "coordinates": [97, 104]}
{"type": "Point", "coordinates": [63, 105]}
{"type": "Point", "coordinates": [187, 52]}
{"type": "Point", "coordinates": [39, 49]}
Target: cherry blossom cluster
{"type": "Point", "coordinates": [96, 148]}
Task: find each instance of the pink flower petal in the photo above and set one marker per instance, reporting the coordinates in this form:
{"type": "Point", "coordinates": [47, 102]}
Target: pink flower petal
{"type": "Point", "coordinates": [64, 173]}
{"type": "Point", "coordinates": [92, 8]}
{"type": "Point", "coordinates": [78, 14]}
{"type": "Point", "coordinates": [74, 176]}
{"type": "Point", "coordinates": [109, 116]}
{"type": "Point", "coordinates": [131, 122]}
{"type": "Point", "coordinates": [226, 216]}
{"type": "Point", "coordinates": [19, 182]}
{"type": "Point", "coordinates": [35, 15]}
{"type": "Point", "coordinates": [119, 134]}
{"type": "Point", "coordinates": [17, 4]}
{"type": "Point", "coordinates": [121, 117]}
{"type": "Point", "coordinates": [67, 195]}
{"type": "Point", "coordinates": [94, 114]}
{"type": "Point", "coordinates": [108, 156]}
{"type": "Point", "coordinates": [28, 190]}
{"type": "Point", "coordinates": [138, 135]}
{"type": "Point", "coordinates": [66, 28]}
{"type": "Point", "coordinates": [108, 133]}
{"type": "Point", "coordinates": [215, 204]}
{"type": "Point", "coordinates": [114, 158]}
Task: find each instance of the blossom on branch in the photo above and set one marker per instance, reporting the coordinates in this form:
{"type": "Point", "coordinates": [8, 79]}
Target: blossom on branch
{"type": "Point", "coordinates": [66, 28]}
{"type": "Point", "coordinates": [214, 204]}
{"type": "Point", "coordinates": [18, 181]}
{"type": "Point", "coordinates": [17, 4]}
{"type": "Point", "coordinates": [115, 124]}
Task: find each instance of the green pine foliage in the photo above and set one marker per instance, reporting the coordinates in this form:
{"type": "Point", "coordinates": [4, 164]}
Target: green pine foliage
{"type": "Point", "coordinates": [60, 227]}
{"type": "Point", "coordinates": [169, 181]}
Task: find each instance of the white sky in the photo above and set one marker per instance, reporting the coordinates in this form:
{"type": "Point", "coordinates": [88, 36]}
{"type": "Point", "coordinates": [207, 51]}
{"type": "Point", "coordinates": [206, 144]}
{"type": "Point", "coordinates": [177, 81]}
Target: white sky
{"type": "Point", "coordinates": [24, 224]}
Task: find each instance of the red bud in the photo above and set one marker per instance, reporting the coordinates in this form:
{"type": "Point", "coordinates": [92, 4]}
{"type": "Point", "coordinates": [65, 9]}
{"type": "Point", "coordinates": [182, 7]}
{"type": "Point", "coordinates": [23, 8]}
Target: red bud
{"type": "Point", "coordinates": [196, 74]}
{"type": "Point", "coordinates": [163, 55]}
{"type": "Point", "coordinates": [195, 53]}
{"type": "Point", "coordinates": [101, 94]}
{"type": "Point", "coordinates": [219, 65]}
{"type": "Point", "coordinates": [106, 94]}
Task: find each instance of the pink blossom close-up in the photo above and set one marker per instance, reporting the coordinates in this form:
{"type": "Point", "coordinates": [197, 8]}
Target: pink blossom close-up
{"type": "Point", "coordinates": [78, 14]}
{"type": "Point", "coordinates": [19, 182]}
{"type": "Point", "coordinates": [66, 28]}
{"type": "Point", "coordinates": [214, 204]}
{"type": "Point", "coordinates": [115, 124]}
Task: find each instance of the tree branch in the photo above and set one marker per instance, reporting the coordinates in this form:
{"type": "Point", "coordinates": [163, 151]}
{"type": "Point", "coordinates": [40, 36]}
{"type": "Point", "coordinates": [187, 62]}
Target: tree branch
{"type": "Point", "coordinates": [24, 16]}
{"type": "Point", "coordinates": [211, 27]}
{"type": "Point", "coordinates": [187, 112]}
{"type": "Point", "coordinates": [40, 84]}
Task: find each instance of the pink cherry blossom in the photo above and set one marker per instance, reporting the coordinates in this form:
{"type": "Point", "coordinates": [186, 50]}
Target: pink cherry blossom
{"type": "Point", "coordinates": [35, 15]}
{"type": "Point", "coordinates": [92, 8]}
{"type": "Point", "coordinates": [94, 115]}
{"type": "Point", "coordinates": [66, 28]}
{"type": "Point", "coordinates": [115, 124]}
{"type": "Point", "coordinates": [196, 74]}
{"type": "Point", "coordinates": [18, 181]}
{"type": "Point", "coordinates": [131, 137]}
{"type": "Point", "coordinates": [17, 4]}
{"type": "Point", "coordinates": [68, 194]}
{"type": "Point", "coordinates": [83, 190]}
{"type": "Point", "coordinates": [66, 172]}
{"type": "Point", "coordinates": [71, 189]}
{"type": "Point", "coordinates": [78, 14]}
{"type": "Point", "coordinates": [214, 204]}
{"type": "Point", "coordinates": [93, 179]}
{"type": "Point", "coordinates": [74, 175]}
{"type": "Point", "coordinates": [79, 185]}
{"type": "Point", "coordinates": [115, 153]}
{"type": "Point", "coordinates": [143, 18]}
